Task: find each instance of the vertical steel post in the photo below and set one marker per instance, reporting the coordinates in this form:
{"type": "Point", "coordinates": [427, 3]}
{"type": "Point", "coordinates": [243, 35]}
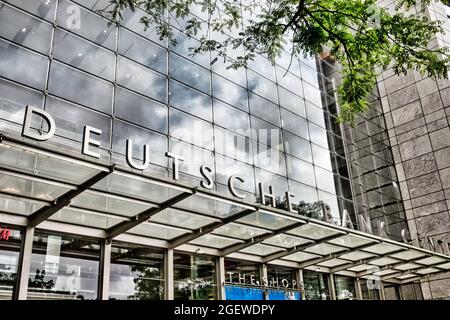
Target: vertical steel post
{"type": "Point", "coordinates": [220, 271]}
{"type": "Point", "coordinates": [332, 287]}
{"type": "Point", "coordinates": [105, 271]}
{"type": "Point", "coordinates": [168, 274]}
{"type": "Point", "coordinates": [24, 266]}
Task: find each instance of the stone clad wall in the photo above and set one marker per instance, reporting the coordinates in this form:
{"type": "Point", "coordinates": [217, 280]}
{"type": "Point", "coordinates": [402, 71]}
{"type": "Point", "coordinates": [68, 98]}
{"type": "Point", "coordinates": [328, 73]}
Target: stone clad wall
{"type": "Point", "coordinates": [417, 113]}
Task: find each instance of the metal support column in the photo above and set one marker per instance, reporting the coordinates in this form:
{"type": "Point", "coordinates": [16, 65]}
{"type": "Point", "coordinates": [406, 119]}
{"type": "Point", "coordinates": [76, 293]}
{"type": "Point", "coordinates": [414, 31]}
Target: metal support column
{"type": "Point", "coordinates": [332, 287]}
{"type": "Point", "coordinates": [220, 268]}
{"type": "Point", "coordinates": [23, 271]}
{"type": "Point", "coordinates": [359, 295]}
{"type": "Point", "coordinates": [105, 270]}
{"type": "Point", "coordinates": [382, 293]}
{"type": "Point", "coordinates": [168, 273]}
{"type": "Point", "coordinates": [301, 283]}
{"type": "Point", "coordinates": [265, 280]}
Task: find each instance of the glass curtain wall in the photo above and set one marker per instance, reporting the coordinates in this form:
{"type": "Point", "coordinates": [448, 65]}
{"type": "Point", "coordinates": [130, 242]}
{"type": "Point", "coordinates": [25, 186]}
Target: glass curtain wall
{"type": "Point", "coordinates": [368, 291]}
{"type": "Point", "coordinates": [315, 286]}
{"type": "Point", "coordinates": [137, 272]}
{"type": "Point", "coordinates": [10, 244]}
{"type": "Point", "coordinates": [194, 277]}
{"type": "Point", "coordinates": [345, 288]}
{"type": "Point", "coordinates": [63, 267]}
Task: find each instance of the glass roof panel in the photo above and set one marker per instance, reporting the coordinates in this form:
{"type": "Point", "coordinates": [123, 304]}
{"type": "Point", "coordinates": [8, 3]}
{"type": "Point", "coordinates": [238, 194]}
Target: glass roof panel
{"type": "Point", "coordinates": [408, 266]}
{"type": "Point", "coordinates": [406, 276]}
{"type": "Point", "coordinates": [351, 241]}
{"type": "Point", "coordinates": [44, 166]}
{"type": "Point", "coordinates": [431, 260]}
{"type": "Point", "coordinates": [427, 270]}
{"type": "Point", "coordinates": [360, 268]}
{"type": "Point", "coordinates": [357, 256]}
{"type": "Point", "coordinates": [96, 201]}
{"type": "Point", "coordinates": [209, 240]}
{"type": "Point", "coordinates": [20, 206]}
{"type": "Point", "coordinates": [210, 206]}
{"type": "Point", "coordinates": [239, 231]}
{"type": "Point", "coordinates": [382, 248]}
{"type": "Point", "coordinates": [182, 219]}
{"type": "Point", "coordinates": [384, 272]}
{"type": "Point", "coordinates": [158, 231]}
{"type": "Point", "coordinates": [138, 187]}
{"type": "Point", "coordinates": [30, 188]}
{"type": "Point", "coordinates": [332, 263]}
{"type": "Point", "coordinates": [301, 256]}
{"type": "Point", "coordinates": [408, 255]}
{"type": "Point", "coordinates": [444, 266]}
{"type": "Point", "coordinates": [285, 241]}
{"type": "Point", "coordinates": [260, 250]}
{"type": "Point", "coordinates": [267, 220]}
{"type": "Point", "coordinates": [86, 218]}
{"type": "Point", "coordinates": [312, 231]}
{"type": "Point", "coordinates": [324, 249]}
{"type": "Point", "coordinates": [384, 261]}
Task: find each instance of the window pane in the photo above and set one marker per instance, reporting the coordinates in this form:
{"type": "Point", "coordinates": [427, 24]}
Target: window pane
{"type": "Point", "coordinates": [191, 129]}
{"type": "Point", "coordinates": [230, 93]}
{"type": "Point", "coordinates": [24, 29]}
{"type": "Point", "coordinates": [14, 98]}
{"type": "Point", "coordinates": [89, 25]}
{"type": "Point", "coordinates": [42, 8]}
{"type": "Point", "coordinates": [262, 86]}
{"type": "Point", "coordinates": [183, 45]}
{"type": "Point", "coordinates": [312, 94]}
{"type": "Point", "coordinates": [264, 109]}
{"type": "Point", "coordinates": [137, 273]}
{"type": "Point", "coordinates": [266, 133]}
{"type": "Point", "coordinates": [83, 55]}
{"type": "Point", "coordinates": [297, 146]}
{"type": "Point", "coordinates": [231, 118]}
{"type": "Point", "coordinates": [233, 145]}
{"type": "Point", "coordinates": [300, 171]}
{"type": "Point", "coordinates": [140, 137]}
{"type": "Point", "coordinates": [142, 51]}
{"type": "Point", "coordinates": [140, 110]}
{"type": "Point", "coordinates": [289, 81]}
{"type": "Point", "coordinates": [131, 20]}
{"type": "Point", "coordinates": [29, 68]}
{"type": "Point", "coordinates": [10, 247]}
{"type": "Point", "coordinates": [68, 83]}
{"type": "Point", "coordinates": [269, 159]}
{"type": "Point", "coordinates": [225, 167]}
{"type": "Point", "coordinates": [189, 73]}
{"type": "Point", "coordinates": [63, 268]}
{"type": "Point", "coordinates": [294, 124]}
{"type": "Point", "coordinates": [316, 285]}
{"type": "Point", "coordinates": [194, 277]}
{"type": "Point", "coordinates": [236, 75]}
{"type": "Point", "coordinates": [292, 102]}
{"type": "Point", "coordinates": [189, 100]}
{"type": "Point", "coordinates": [138, 78]}
{"type": "Point", "coordinates": [71, 119]}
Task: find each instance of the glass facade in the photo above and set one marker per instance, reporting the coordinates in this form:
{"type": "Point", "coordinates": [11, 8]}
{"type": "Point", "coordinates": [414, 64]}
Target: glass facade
{"type": "Point", "coordinates": [249, 134]}
{"type": "Point", "coordinates": [137, 273]}
{"type": "Point", "coordinates": [63, 267]}
{"type": "Point", "coordinates": [316, 285]}
{"type": "Point", "coordinates": [194, 277]}
{"type": "Point", "coordinates": [9, 260]}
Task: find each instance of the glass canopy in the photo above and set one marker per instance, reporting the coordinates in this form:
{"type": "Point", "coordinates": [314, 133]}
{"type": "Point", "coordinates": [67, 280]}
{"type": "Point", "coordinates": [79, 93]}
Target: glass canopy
{"type": "Point", "coordinates": [36, 182]}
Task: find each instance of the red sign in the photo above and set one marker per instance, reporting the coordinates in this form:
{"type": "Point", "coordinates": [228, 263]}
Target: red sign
{"type": "Point", "coordinates": [5, 233]}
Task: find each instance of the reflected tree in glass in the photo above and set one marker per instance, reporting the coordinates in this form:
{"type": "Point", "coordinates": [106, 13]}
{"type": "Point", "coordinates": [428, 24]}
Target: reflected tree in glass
{"type": "Point", "coordinates": [147, 283]}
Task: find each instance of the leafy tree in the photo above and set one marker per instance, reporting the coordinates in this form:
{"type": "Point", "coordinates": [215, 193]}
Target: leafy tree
{"type": "Point", "coordinates": [359, 35]}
